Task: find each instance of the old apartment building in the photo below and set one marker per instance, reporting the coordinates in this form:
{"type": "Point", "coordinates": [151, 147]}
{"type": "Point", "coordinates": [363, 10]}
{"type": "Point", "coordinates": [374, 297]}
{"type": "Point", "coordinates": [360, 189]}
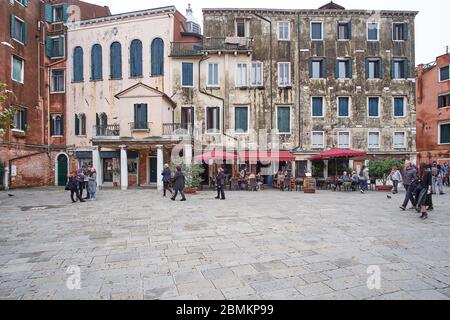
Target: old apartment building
{"type": "Point", "coordinates": [33, 57]}
{"type": "Point", "coordinates": [120, 111]}
{"type": "Point", "coordinates": [433, 110]}
{"type": "Point", "coordinates": [321, 78]}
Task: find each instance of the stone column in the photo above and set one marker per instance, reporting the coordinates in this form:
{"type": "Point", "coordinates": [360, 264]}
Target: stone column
{"type": "Point", "coordinates": [351, 163]}
{"type": "Point", "coordinates": [293, 168]}
{"type": "Point", "coordinates": [96, 163]}
{"type": "Point", "coordinates": [188, 154]}
{"type": "Point", "coordinates": [6, 179]}
{"type": "Point", "coordinates": [123, 168]}
{"type": "Point", "coordinates": [160, 166]}
{"type": "Point", "coordinates": [325, 169]}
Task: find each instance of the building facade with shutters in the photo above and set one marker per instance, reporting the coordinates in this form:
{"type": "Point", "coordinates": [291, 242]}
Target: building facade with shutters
{"type": "Point", "coordinates": [433, 111]}
{"type": "Point", "coordinates": [321, 78]}
{"type": "Point", "coordinates": [120, 111]}
{"type": "Point", "coordinates": [32, 37]}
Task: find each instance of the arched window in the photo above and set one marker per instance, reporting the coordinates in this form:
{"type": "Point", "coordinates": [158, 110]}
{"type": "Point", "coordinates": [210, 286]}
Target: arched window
{"type": "Point", "coordinates": [78, 64]}
{"type": "Point", "coordinates": [115, 60]}
{"type": "Point", "coordinates": [136, 58]}
{"type": "Point", "coordinates": [80, 124]}
{"type": "Point", "coordinates": [157, 51]}
{"type": "Point", "coordinates": [96, 63]}
{"type": "Point", "coordinates": [57, 125]}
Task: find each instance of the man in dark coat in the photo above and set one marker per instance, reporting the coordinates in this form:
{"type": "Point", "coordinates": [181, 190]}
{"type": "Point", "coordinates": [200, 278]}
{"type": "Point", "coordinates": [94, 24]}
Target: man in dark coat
{"type": "Point", "coordinates": [167, 175]}
{"type": "Point", "coordinates": [220, 184]}
{"type": "Point", "coordinates": [178, 184]}
{"type": "Point", "coordinates": [409, 177]}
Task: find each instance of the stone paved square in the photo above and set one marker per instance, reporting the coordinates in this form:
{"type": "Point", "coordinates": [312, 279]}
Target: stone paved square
{"type": "Point", "coordinates": [136, 244]}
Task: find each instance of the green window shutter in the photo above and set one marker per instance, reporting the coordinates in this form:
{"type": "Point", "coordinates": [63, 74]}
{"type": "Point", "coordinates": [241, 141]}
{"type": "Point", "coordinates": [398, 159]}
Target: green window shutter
{"type": "Point", "coordinates": [13, 26]}
{"type": "Point", "coordinates": [337, 69]}
{"type": "Point", "coordinates": [350, 69]}
{"type": "Point", "coordinates": [48, 13]}
{"type": "Point", "coordinates": [77, 125]}
{"type": "Point", "coordinates": [62, 46]}
{"type": "Point", "coordinates": [324, 69]}
{"type": "Point", "coordinates": [49, 47]}
{"type": "Point", "coordinates": [392, 69]}
{"type": "Point", "coordinates": [24, 120]}
{"type": "Point", "coordinates": [25, 3]}
{"type": "Point", "coordinates": [62, 125]}
{"type": "Point", "coordinates": [350, 30]}
{"type": "Point", "coordinates": [24, 33]}
{"type": "Point", "coordinates": [405, 31]}
{"type": "Point", "coordinates": [52, 126]}
{"type": "Point", "coordinates": [406, 65]}
{"type": "Point", "coordinates": [380, 68]}
{"type": "Point", "coordinates": [367, 68]}
{"type": "Point", "coordinates": [65, 15]}
{"type": "Point", "coordinates": [136, 108]}
{"type": "Point", "coordinates": [97, 120]}
{"type": "Point", "coordinates": [310, 68]}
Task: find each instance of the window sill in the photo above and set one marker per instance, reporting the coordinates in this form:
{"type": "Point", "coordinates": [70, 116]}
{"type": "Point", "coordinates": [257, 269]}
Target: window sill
{"type": "Point", "coordinates": [187, 87]}
{"type": "Point", "coordinates": [156, 75]}
{"type": "Point", "coordinates": [55, 58]}
{"type": "Point", "coordinates": [57, 136]}
{"type": "Point", "coordinates": [18, 133]}
{"type": "Point", "coordinates": [213, 87]}
{"type": "Point", "coordinates": [261, 87]}
{"type": "Point", "coordinates": [285, 87]}
{"type": "Point", "coordinates": [344, 40]}
{"type": "Point", "coordinates": [77, 81]}
{"type": "Point", "coordinates": [18, 41]}
{"type": "Point", "coordinates": [136, 77]}
{"type": "Point", "coordinates": [82, 136]}
{"type": "Point", "coordinates": [57, 92]}
{"type": "Point", "coordinates": [115, 79]}
{"type": "Point", "coordinates": [17, 81]}
{"type": "Point", "coordinates": [140, 130]}
{"type": "Point", "coordinates": [95, 80]}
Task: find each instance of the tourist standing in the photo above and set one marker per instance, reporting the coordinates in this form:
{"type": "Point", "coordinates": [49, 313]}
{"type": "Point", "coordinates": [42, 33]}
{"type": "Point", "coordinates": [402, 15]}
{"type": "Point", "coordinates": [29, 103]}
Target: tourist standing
{"type": "Point", "coordinates": [220, 184]}
{"type": "Point", "coordinates": [437, 178]}
{"type": "Point", "coordinates": [167, 175]}
{"type": "Point", "coordinates": [409, 178]}
{"type": "Point", "coordinates": [81, 175]}
{"type": "Point", "coordinates": [92, 185]}
{"type": "Point", "coordinates": [396, 178]}
{"type": "Point", "coordinates": [446, 174]}
{"type": "Point", "coordinates": [424, 191]}
{"type": "Point", "coordinates": [178, 184]}
{"type": "Point", "coordinates": [363, 179]}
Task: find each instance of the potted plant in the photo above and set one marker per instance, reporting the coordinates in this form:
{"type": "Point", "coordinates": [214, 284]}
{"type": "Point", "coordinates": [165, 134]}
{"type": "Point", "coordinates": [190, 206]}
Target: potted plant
{"type": "Point", "coordinates": [380, 170]}
{"type": "Point", "coordinates": [192, 174]}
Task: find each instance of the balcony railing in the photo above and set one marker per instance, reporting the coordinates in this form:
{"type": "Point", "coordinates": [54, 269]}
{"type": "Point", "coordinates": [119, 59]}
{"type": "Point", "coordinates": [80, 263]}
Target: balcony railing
{"type": "Point", "coordinates": [179, 49]}
{"type": "Point", "coordinates": [140, 126]}
{"type": "Point", "coordinates": [211, 44]}
{"type": "Point", "coordinates": [112, 130]}
{"type": "Point", "coordinates": [178, 129]}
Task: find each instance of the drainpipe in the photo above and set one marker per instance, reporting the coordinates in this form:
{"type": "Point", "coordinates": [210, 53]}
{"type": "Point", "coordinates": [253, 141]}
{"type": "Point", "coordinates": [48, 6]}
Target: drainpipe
{"type": "Point", "coordinates": [300, 118]}
{"type": "Point", "coordinates": [270, 68]}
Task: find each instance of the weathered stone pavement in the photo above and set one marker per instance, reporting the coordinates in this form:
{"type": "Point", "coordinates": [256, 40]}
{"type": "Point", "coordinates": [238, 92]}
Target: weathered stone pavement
{"type": "Point", "coordinates": [260, 245]}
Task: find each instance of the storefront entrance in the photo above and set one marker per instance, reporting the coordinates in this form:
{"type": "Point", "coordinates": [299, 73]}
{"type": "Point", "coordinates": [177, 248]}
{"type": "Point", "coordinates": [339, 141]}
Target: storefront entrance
{"type": "Point", "coordinates": [108, 172]}
{"type": "Point", "coordinates": [63, 171]}
{"type": "Point", "coordinates": [153, 167]}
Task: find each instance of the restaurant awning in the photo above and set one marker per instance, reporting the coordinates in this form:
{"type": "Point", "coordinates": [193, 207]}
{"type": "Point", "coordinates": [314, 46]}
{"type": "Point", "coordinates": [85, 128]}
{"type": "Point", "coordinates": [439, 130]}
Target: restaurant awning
{"type": "Point", "coordinates": [266, 156]}
{"type": "Point", "coordinates": [338, 154]}
{"type": "Point", "coordinates": [217, 155]}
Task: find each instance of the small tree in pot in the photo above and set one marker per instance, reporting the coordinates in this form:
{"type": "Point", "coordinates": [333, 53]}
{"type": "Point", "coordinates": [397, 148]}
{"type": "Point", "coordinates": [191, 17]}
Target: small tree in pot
{"type": "Point", "coordinates": [192, 174]}
{"type": "Point", "coordinates": [380, 170]}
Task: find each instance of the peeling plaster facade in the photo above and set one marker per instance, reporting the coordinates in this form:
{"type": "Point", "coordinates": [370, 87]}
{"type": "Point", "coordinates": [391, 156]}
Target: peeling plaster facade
{"type": "Point", "coordinates": [262, 28]}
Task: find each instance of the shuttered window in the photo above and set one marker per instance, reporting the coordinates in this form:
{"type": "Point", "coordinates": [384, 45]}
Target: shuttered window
{"type": "Point", "coordinates": [400, 31]}
{"type": "Point", "coordinates": [444, 133]}
{"type": "Point", "coordinates": [241, 119]}
{"type": "Point", "coordinates": [399, 107]}
{"type": "Point", "coordinates": [241, 75]}
{"type": "Point", "coordinates": [316, 31]}
{"type": "Point", "coordinates": [187, 117]}
{"type": "Point", "coordinates": [17, 72]}
{"type": "Point", "coordinates": [20, 120]}
{"type": "Point", "coordinates": [400, 69]}
{"type": "Point", "coordinates": [55, 47]}
{"type": "Point", "coordinates": [257, 74]}
{"type": "Point", "coordinates": [284, 119]}
{"type": "Point", "coordinates": [374, 107]}
{"type": "Point", "coordinates": [57, 81]}
{"type": "Point", "coordinates": [57, 125]}
{"type": "Point", "coordinates": [213, 119]}
{"type": "Point", "coordinates": [18, 29]}
{"type": "Point", "coordinates": [372, 31]}
{"type": "Point", "coordinates": [157, 57]}
{"type": "Point", "coordinates": [78, 64]}
{"type": "Point", "coordinates": [344, 140]}
{"type": "Point", "coordinates": [136, 59]}
{"type": "Point", "coordinates": [213, 74]}
{"type": "Point", "coordinates": [444, 73]}
{"type": "Point", "coordinates": [96, 63]}
{"type": "Point", "coordinates": [140, 116]}
{"type": "Point", "coordinates": [399, 140]}
{"type": "Point", "coordinates": [317, 68]}
{"type": "Point", "coordinates": [374, 69]}
{"type": "Point", "coordinates": [317, 107]}
{"type": "Point", "coordinates": [444, 101]}
{"type": "Point", "coordinates": [344, 30]}
{"type": "Point", "coordinates": [343, 69]}
{"type": "Point", "coordinates": [187, 74]}
{"type": "Point", "coordinates": [374, 140]}
{"type": "Point", "coordinates": [115, 61]}
{"type": "Point", "coordinates": [317, 139]}
{"type": "Point", "coordinates": [343, 107]}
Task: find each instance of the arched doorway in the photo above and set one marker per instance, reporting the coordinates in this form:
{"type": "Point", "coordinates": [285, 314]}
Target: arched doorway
{"type": "Point", "coordinates": [62, 167]}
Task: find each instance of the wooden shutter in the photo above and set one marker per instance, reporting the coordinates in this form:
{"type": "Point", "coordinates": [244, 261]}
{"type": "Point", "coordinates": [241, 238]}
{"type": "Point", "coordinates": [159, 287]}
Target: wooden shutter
{"type": "Point", "coordinates": [405, 31]}
{"type": "Point", "coordinates": [380, 68]}
{"type": "Point", "coordinates": [350, 69]}
{"type": "Point", "coordinates": [24, 120]}
{"type": "Point", "coordinates": [116, 60]}
{"type": "Point", "coordinates": [96, 62]}
{"type": "Point", "coordinates": [62, 125]}
{"type": "Point", "coordinates": [78, 64]}
{"type": "Point", "coordinates": [349, 30]}
{"type": "Point", "coordinates": [136, 58]}
{"type": "Point", "coordinates": [337, 69]}
{"type": "Point", "coordinates": [48, 13]}
{"type": "Point", "coordinates": [406, 66]}
{"type": "Point", "coordinates": [324, 69]}
{"type": "Point", "coordinates": [52, 126]}
{"type": "Point", "coordinates": [77, 125]}
{"type": "Point", "coordinates": [157, 59]}
{"type": "Point", "coordinates": [367, 68]}
{"type": "Point", "coordinates": [310, 68]}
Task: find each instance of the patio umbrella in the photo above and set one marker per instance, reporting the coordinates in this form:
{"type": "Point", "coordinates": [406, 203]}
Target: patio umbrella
{"type": "Point", "coordinates": [337, 153]}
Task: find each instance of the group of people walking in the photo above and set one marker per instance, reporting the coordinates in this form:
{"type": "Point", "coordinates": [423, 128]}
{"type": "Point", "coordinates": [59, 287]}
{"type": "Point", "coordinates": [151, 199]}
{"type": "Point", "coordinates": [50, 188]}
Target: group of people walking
{"type": "Point", "coordinates": [85, 178]}
{"type": "Point", "coordinates": [178, 182]}
{"type": "Point", "coordinates": [420, 184]}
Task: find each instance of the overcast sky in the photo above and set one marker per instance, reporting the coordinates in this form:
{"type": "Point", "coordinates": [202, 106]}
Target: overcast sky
{"type": "Point", "coordinates": [432, 23]}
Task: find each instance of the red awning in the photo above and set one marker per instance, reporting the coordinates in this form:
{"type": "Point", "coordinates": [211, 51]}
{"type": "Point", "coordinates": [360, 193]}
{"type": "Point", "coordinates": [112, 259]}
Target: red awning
{"type": "Point", "coordinates": [266, 156]}
{"type": "Point", "coordinates": [338, 154]}
{"type": "Point", "coordinates": [218, 155]}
